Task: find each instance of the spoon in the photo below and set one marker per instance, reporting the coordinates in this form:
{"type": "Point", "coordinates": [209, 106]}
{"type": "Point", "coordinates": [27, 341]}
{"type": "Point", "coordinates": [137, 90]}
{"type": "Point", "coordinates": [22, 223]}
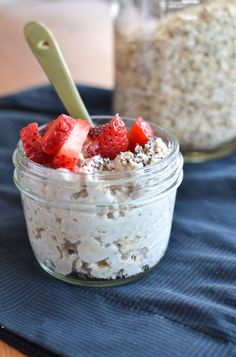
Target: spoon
{"type": "Point", "coordinates": [48, 53]}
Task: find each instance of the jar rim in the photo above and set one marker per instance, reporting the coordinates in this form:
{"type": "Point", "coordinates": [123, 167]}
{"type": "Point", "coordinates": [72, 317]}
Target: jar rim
{"type": "Point", "coordinates": [23, 162]}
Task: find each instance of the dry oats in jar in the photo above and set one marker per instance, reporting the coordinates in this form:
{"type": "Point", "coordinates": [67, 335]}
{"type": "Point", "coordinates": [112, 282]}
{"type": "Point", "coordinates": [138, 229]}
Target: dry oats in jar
{"type": "Point", "coordinates": [176, 63]}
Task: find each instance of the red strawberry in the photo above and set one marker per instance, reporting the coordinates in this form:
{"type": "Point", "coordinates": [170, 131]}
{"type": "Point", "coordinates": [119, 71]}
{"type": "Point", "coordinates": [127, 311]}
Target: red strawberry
{"type": "Point", "coordinates": [57, 131]}
{"type": "Point", "coordinates": [47, 126]}
{"type": "Point", "coordinates": [69, 146]}
{"type": "Point", "coordinates": [112, 141]}
{"type": "Point", "coordinates": [139, 133]}
{"type": "Point", "coordinates": [31, 141]}
{"type": "Point", "coordinates": [97, 130]}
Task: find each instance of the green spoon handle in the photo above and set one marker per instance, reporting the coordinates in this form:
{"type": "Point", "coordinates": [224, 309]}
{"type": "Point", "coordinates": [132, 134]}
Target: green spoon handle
{"type": "Point", "coordinates": [49, 55]}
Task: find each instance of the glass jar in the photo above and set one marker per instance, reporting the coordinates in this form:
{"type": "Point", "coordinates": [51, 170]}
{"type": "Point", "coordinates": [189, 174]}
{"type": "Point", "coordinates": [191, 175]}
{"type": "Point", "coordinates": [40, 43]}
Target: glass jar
{"type": "Point", "coordinates": [100, 229]}
{"type": "Point", "coordinates": [175, 62]}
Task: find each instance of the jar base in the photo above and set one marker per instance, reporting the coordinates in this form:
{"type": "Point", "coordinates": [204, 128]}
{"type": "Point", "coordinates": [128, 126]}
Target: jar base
{"type": "Point", "coordinates": [196, 156]}
{"type": "Point", "coordinates": [92, 282]}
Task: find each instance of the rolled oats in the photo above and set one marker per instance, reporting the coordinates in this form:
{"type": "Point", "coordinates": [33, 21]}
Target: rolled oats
{"type": "Point", "coordinates": [179, 71]}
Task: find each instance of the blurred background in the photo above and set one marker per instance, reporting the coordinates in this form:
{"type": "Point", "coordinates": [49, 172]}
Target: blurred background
{"type": "Point", "coordinates": [83, 29]}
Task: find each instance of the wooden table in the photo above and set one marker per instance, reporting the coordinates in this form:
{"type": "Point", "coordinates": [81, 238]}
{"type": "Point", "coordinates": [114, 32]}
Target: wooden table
{"type": "Point", "coordinates": [85, 36]}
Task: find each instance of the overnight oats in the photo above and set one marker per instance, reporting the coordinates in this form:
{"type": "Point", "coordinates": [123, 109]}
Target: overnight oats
{"type": "Point", "coordinates": [99, 201]}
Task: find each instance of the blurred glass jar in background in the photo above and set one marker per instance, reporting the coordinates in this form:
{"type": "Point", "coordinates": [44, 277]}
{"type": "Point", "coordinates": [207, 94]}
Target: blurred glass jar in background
{"type": "Point", "coordinates": [175, 62]}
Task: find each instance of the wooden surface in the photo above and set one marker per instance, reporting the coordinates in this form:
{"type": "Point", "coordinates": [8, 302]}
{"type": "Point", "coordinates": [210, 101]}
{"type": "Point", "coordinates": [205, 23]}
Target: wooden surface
{"type": "Point", "coordinates": [8, 351]}
{"type": "Point", "coordinates": [84, 32]}
{"type": "Point", "coordinates": [83, 29]}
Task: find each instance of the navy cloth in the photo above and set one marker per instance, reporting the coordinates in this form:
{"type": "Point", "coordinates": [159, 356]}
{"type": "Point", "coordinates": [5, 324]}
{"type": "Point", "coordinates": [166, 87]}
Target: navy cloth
{"type": "Point", "coordinates": [185, 307]}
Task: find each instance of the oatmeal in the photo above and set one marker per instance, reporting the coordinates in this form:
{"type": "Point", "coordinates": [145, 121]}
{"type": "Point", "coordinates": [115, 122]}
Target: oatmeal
{"type": "Point", "coordinates": [180, 70]}
{"type": "Point", "coordinates": [154, 150]}
{"type": "Point", "coordinates": [110, 218]}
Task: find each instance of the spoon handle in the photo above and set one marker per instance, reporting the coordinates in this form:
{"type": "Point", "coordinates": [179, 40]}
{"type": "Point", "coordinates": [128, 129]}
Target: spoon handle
{"type": "Point", "coordinates": [49, 55]}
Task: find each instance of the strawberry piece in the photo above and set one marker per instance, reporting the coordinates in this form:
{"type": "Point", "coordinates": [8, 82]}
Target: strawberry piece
{"type": "Point", "coordinates": [112, 141]}
{"type": "Point", "coordinates": [139, 133]}
{"type": "Point", "coordinates": [47, 126]}
{"type": "Point", "coordinates": [57, 132]}
{"type": "Point", "coordinates": [71, 146]}
{"type": "Point", "coordinates": [32, 145]}
{"type": "Point", "coordinates": [96, 131]}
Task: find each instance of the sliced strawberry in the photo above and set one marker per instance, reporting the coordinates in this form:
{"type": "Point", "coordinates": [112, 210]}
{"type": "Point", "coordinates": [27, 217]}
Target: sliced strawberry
{"type": "Point", "coordinates": [57, 133]}
{"type": "Point", "coordinates": [139, 133]}
{"type": "Point", "coordinates": [112, 141]}
{"type": "Point", "coordinates": [97, 130]}
{"type": "Point", "coordinates": [48, 125]}
{"type": "Point", "coordinates": [71, 147]}
{"type": "Point", "coordinates": [32, 145]}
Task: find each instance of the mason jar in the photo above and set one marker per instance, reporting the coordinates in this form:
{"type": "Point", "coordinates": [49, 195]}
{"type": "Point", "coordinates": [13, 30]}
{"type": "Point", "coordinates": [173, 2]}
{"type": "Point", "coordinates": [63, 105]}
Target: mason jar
{"type": "Point", "coordinates": [175, 62]}
{"type": "Point", "coordinates": [103, 228]}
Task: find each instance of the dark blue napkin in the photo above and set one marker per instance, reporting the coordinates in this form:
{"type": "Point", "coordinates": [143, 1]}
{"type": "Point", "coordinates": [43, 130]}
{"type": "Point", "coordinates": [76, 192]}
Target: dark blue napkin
{"type": "Point", "coordinates": [185, 307]}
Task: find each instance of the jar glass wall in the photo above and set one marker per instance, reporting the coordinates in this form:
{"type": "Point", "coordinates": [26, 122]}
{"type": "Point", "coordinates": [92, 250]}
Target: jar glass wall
{"type": "Point", "coordinates": [104, 228]}
{"type": "Point", "coordinates": [175, 62]}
